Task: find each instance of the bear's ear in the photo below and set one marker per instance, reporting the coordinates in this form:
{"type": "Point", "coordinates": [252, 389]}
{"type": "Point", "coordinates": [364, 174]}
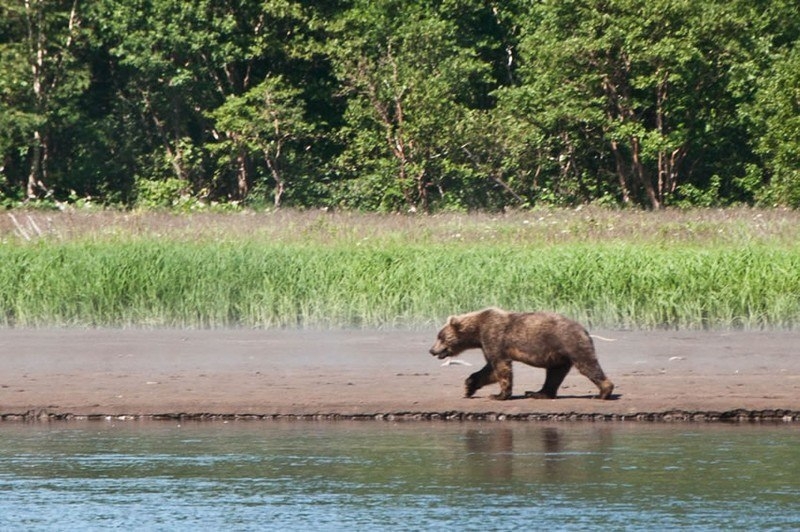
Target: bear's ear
{"type": "Point", "coordinates": [454, 322]}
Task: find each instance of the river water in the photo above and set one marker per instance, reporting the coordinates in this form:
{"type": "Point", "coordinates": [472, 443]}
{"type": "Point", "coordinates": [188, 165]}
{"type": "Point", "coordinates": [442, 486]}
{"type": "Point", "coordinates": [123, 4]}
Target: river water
{"type": "Point", "coordinates": [398, 476]}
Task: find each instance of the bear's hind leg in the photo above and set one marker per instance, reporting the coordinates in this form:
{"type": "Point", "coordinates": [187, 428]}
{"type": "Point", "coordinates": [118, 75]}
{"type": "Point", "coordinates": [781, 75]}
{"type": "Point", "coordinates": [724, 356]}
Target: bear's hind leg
{"type": "Point", "coordinates": [479, 379]}
{"type": "Point", "coordinates": [595, 374]}
{"type": "Point", "coordinates": [555, 376]}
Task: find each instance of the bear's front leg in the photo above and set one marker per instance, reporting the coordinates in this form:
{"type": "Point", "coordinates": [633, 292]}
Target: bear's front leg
{"type": "Point", "coordinates": [504, 375]}
{"type": "Point", "coordinates": [479, 379]}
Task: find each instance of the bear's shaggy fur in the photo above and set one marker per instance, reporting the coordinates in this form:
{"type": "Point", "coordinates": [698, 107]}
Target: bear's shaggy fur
{"type": "Point", "coordinates": [540, 339]}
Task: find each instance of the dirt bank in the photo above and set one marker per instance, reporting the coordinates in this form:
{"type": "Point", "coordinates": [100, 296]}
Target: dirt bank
{"type": "Point", "coordinates": [69, 373]}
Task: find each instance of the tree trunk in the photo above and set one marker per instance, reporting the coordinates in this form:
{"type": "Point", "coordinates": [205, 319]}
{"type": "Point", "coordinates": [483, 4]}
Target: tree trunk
{"type": "Point", "coordinates": [36, 41]}
{"type": "Point", "coordinates": [622, 172]}
{"type": "Point", "coordinates": [35, 183]}
{"type": "Point", "coordinates": [242, 175]}
{"type": "Point", "coordinates": [642, 175]}
{"type": "Point", "coordinates": [393, 125]}
{"type": "Point", "coordinates": [280, 186]}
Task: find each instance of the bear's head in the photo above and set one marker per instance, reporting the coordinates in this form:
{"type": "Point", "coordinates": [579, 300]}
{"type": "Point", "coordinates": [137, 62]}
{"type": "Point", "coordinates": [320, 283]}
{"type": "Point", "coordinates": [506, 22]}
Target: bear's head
{"type": "Point", "coordinates": [455, 337]}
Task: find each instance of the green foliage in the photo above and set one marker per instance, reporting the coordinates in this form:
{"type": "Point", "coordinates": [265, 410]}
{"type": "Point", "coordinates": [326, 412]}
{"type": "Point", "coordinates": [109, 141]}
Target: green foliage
{"type": "Point", "coordinates": [630, 89]}
{"type": "Point", "coordinates": [415, 105]}
{"type": "Point", "coordinates": [191, 71]}
{"type": "Point", "coordinates": [410, 83]}
{"type": "Point", "coordinates": [152, 194]}
{"type": "Point", "coordinates": [265, 123]}
{"type": "Point", "coordinates": [778, 103]}
{"type": "Point", "coordinates": [43, 81]}
{"type": "Point", "coordinates": [692, 196]}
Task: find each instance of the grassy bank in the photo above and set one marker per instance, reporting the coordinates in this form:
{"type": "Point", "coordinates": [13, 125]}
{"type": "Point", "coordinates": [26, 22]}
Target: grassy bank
{"type": "Point", "coordinates": [304, 270]}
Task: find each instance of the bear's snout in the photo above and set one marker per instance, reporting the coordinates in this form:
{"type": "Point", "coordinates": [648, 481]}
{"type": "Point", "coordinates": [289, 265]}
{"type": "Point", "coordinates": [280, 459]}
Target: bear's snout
{"type": "Point", "coordinates": [440, 351]}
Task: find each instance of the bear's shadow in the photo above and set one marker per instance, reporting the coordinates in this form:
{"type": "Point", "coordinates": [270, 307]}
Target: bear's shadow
{"type": "Point", "coordinates": [612, 397]}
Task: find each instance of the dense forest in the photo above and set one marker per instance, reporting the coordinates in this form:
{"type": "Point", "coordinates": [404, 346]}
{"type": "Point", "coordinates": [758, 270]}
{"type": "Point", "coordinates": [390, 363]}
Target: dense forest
{"type": "Point", "coordinates": [400, 105]}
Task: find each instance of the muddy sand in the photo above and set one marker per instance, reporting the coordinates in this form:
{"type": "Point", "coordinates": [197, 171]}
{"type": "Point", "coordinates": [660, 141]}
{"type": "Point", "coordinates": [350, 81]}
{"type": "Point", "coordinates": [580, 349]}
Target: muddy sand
{"type": "Point", "coordinates": [223, 374]}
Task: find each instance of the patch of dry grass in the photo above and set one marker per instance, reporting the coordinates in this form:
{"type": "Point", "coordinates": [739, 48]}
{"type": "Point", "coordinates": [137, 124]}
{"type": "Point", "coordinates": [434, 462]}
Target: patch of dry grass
{"type": "Point", "coordinates": [699, 227]}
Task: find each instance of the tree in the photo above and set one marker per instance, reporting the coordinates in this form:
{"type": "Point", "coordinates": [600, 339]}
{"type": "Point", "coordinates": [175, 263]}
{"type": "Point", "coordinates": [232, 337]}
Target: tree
{"type": "Point", "coordinates": [262, 122]}
{"type": "Point", "coordinates": [179, 61]}
{"type": "Point", "coordinates": [412, 105]}
{"type": "Point", "coordinates": [42, 82]}
{"type": "Point", "coordinates": [408, 81]}
{"type": "Point", "coordinates": [774, 113]}
{"type": "Point", "coordinates": [778, 105]}
{"type": "Point", "coordinates": [633, 82]}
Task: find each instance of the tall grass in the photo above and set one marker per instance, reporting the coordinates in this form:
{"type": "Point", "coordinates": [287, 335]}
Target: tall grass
{"type": "Point", "coordinates": [205, 283]}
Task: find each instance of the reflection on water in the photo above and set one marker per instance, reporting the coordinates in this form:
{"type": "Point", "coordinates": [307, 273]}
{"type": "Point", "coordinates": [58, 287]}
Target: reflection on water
{"type": "Point", "coordinates": [555, 464]}
{"type": "Point", "coordinates": [328, 476]}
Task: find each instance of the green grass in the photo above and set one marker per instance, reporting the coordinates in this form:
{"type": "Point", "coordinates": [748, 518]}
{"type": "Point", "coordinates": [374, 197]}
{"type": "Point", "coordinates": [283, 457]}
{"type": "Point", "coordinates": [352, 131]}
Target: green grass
{"type": "Point", "coordinates": [230, 280]}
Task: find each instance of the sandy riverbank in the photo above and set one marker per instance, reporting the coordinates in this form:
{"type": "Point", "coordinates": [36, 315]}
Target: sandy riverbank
{"type": "Point", "coordinates": [136, 373]}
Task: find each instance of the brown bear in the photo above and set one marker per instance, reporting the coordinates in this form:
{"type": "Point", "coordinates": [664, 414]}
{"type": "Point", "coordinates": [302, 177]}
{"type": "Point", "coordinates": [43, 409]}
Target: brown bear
{"type": "Point", "coordinates": [540, 339]}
